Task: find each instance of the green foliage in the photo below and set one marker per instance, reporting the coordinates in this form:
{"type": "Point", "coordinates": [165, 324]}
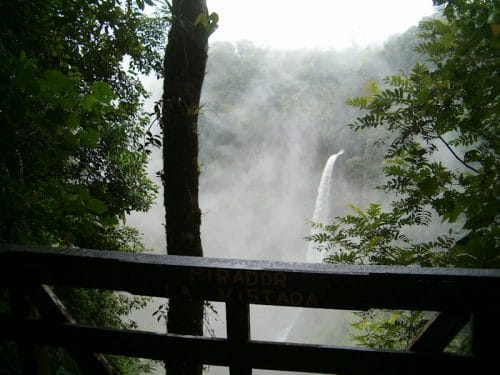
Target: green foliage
{"type": "Point", "coordinates": [70, 107]}
{"type": "Point", "coordinates": [374, 236]}
{"type": "Point", "coordinates": [442, 150]}
{"type": "Point", "coordinates": [209, 22]}
{"type": "Point", "coordinates": [300, 94]}
{"type": "Point", "coordinates": [71, 125]}
{"type": "Point", "coordinates": [441, 163]}
{"type": "Point", "coordinates": [391, 330]}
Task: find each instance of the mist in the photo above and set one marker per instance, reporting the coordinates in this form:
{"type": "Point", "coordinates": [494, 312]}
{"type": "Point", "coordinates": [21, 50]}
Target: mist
{"type": "Point", "coordinates": [270, 121]}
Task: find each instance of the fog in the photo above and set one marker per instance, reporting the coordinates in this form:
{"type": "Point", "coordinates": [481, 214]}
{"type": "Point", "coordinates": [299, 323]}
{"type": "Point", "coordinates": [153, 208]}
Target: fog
{"type": "Point", "coordinates": [269, 123]}
{"type": "Point", "coordinates": [293, 24]}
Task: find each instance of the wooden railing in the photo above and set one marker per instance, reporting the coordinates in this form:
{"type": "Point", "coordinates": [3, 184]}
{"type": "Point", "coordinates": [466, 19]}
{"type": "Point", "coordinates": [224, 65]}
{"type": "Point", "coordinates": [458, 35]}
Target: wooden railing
{"type": "Point", "coordinates": [460, 295]}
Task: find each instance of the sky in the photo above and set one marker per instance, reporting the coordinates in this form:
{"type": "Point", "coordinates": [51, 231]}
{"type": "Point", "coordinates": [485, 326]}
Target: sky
{"type": "Point", "coordinates": [338, 24]}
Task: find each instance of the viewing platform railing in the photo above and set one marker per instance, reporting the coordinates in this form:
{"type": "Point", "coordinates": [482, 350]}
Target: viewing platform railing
{"type": "Point", "coordinates": [459, 295]}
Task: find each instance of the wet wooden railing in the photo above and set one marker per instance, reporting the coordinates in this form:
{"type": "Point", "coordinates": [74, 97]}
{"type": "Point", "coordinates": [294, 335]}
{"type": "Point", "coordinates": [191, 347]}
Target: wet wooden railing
{"type": "Point", "coordinates": [460, 295]}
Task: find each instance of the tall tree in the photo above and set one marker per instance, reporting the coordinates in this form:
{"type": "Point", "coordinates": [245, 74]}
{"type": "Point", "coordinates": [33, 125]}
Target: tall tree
{"type": "Point", "coordinates": [184, 71]}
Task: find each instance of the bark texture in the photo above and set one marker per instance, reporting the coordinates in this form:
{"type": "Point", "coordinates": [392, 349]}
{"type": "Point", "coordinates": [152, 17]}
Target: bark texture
{"type": "Point", "coordinates": [184, 69]}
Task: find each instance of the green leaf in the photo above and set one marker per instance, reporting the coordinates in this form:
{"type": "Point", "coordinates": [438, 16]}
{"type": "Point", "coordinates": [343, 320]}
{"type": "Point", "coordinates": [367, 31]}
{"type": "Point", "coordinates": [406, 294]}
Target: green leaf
{"type": "Point", "coordinates": [88, 102]}
{"type": "Point", "coordinates": [102, 92]}
{"type": "Point", "coordinates": [371, 88]}
{"type": "Point", "coordinates": [97, 206]}
{"type": "Point", "coordinates": [109, 221]}
{"type": "Point", "coordinates": [209, 23]}
{"type": "Point", "coordinates": [202, 20]}
{"type": "Point", "coordinates": [89, 138]}
{"type": "Point", "coordinates": [57, 80]}
{"type": "Point", "coordinates": [213, 23]}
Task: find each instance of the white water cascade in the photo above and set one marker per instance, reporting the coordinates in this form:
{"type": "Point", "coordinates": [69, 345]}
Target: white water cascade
{"type": "Point", "coordinates": [322, 214]}
{"type": "Point", "coordinates": [322, 208]}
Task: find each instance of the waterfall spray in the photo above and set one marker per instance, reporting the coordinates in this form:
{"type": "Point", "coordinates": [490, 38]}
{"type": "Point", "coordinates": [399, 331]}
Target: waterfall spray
{"type": "Point", "coordinates": [322, 208]}
{"type": "Point", "coordinates": [322, 214]}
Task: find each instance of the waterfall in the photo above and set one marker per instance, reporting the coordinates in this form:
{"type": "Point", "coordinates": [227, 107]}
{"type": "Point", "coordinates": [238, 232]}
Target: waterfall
{"type": "Point", "coordinates": [322, 208]}
{"type": "Point", "coordinates": [322, 214]}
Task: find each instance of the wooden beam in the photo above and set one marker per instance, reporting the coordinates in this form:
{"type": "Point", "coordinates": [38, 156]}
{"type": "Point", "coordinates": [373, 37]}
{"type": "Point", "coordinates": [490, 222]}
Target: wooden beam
{"type": "Point", "coordinates": [238, 334]}
{"type": "Point", "coordinates": [213, 351]}
{"type": "Point", "coordinates": [439, 332]}
{"type": "Point", "coordinates": [255, 282]}
{"type": "Point", "coordinates": [47, 303]}
{"type": "Point", "coordinates": [485, 334]}
{"type": "Point", "coordinates": [29, 360]}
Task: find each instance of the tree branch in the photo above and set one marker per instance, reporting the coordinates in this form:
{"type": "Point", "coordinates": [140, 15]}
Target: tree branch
{"type": "Point", "coordinates": [456, 156]}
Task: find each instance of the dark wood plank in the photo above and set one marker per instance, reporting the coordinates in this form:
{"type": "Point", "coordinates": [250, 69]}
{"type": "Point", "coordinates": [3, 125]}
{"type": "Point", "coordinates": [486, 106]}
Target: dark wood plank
{"type": "Point", "coordinates": [485, 334]}
{"type": "Point", "coordinates": [264, 355]}
{"type": "Point", "coordinates": [238, 321]}
{"type": "Point", "coordinates": [51, 308]}
{"type": "Point", "coordinates": [21, 308]}
{"type": "Point", "coordinates": [258, 282]}
{"type": "Point", "coordinates": [438, 332]}
{"type": "Point", "coordinates": [238, 334]}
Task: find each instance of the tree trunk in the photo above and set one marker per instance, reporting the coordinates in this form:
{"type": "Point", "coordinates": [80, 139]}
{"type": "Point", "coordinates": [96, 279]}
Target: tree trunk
{"type": "Point", "coordinates": [184, 69]}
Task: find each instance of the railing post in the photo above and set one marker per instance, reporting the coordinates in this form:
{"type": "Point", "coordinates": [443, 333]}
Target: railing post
{"type": "Point", "coordinates": [51, 308]}
{"type": "Point", "coordinates": [438, 332]}
{"type": "Point", "coordinates": [238, 334]}
{"type": "Point", "coordinates": [457, 292]}
{"type": "Point", "coordinates": [21, 308]}
{"type": "Point", "coordinates": [485, 334]}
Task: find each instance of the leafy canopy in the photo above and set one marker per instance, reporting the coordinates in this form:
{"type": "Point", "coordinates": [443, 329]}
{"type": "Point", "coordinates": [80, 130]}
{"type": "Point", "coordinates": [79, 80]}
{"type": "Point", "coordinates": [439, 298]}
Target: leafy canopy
{"type": "Point", "coordinates": [441, 163]}
{"type": "Point", "coordinates": [442, 157]}
{"type": "Point", "coordinates": [71, 157]}
{"type": "Point", "coordinates": [71, 118]}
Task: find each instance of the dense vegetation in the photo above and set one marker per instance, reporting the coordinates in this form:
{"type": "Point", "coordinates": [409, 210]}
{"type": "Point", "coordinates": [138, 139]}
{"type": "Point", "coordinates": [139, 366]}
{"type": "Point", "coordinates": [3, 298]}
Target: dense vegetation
{"type": "Point", "coordinates": [72, 155]}
{"type": "Point", "coordinates": [428, 139]}
{"type": "Point", "coordinates": [269, 122]}
{"type": "Point", "coordinates": [441, 162]}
